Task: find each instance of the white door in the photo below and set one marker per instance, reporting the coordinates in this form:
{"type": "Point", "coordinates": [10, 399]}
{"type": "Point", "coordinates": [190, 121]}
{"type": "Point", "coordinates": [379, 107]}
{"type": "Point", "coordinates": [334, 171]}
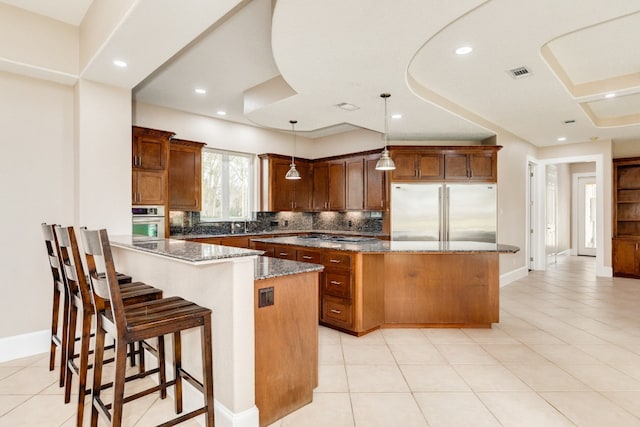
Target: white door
{"type": "Point", "coordinates": [587, 215]}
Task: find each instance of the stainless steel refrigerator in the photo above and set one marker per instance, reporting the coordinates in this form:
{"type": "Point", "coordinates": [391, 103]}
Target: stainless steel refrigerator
{"type": "Point", "coordinates": [453, 212]}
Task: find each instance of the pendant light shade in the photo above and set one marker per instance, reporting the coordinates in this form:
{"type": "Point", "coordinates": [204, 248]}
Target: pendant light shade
{"type": "Point", "coordinates": [385, 163]}
{"type": "Point", "coordinates": [293, 173]}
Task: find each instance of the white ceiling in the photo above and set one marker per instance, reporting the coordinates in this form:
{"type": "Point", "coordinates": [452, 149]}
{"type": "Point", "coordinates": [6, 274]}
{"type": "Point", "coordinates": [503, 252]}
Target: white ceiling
{"type": "Point", "coordinates": [265, 64]}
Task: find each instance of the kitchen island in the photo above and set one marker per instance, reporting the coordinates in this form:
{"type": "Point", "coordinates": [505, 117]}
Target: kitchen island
{"type": "Point", "coordinates": [370, 283]}
{"type": "Point", "coordinates": [227, 280]}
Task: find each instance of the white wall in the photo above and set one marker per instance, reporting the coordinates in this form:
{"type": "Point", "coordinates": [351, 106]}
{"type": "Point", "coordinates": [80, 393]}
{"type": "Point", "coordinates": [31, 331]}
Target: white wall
{"type": "Point", "coordinates": [36, 186]}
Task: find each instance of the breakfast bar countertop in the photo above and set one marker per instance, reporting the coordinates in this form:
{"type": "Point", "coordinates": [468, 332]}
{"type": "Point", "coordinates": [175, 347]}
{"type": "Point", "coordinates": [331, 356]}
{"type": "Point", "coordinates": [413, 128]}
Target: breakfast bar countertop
{"type": "Point", "coordinates": [183, 250]}
{"type": "Point", "coordinates": [267, 267]}
{"type": "Point", "coordinates": [372, 245]}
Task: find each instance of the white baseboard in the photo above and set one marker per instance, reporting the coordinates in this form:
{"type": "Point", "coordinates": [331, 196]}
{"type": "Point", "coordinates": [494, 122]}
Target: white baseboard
{"type": "Point", "coordinates": [513, 275]}
{"type": "Point", "coordinates": [25, 345]}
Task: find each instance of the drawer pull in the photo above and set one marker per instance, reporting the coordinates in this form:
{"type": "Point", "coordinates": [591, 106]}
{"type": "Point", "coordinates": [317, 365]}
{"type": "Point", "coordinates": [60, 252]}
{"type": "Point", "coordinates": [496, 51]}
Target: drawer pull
{"type": "Point", "coordinates": [335, 261]}
{"type": "Point", "coordinates": [284, 254]}
{"type": "Point", "coordinates": [335, 282]}
{"type": "Point", "coordinates": [336, 311]}
{"type": "Point", "coordinates": [307, 257]}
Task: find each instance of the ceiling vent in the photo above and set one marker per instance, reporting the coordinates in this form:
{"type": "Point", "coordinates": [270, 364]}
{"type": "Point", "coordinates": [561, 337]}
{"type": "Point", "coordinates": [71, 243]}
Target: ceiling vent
{"type": "Point", "coordinates": [520, 72]}
{"type": "Point", "coordinates": [569, 122]}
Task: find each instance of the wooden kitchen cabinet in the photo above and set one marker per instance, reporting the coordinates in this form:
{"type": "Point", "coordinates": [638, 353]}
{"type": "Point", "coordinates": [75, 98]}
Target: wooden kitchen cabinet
{"type": "Point", "coordinates": [148, 188]}
{"type": "Point", "coordinates": [185, 175]}
{"type": "Point", "coordinates": [150, 148]}
{"type": "Point", "coordinates": [374, 185]}
{"type": "Point", "coordinates": [626, 217]}
{"type": "Point", "coordinates": [329, 186]}
{"type": "Point", "coordinates": [417, 166]}
{"type": "Point", "coordinates": [470, 166]}
{"type": "Point", "coordinates": [439, 163]}
{"type": "Point", "coordinates": [355, 183]}
{"type": "Point", "coordinates": [149, 159]}
{"type": "Point", "coordinates": [285, 194]}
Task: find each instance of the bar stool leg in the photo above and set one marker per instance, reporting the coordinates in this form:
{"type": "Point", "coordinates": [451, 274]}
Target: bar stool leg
{"type": "Point", "coordinates": [207, 370]}
{"type": "Point", "coordinates": [177, 370]}
{"type": "Point", "coordinates": [54, 328]}
{"type": "Point", "coordinates": [98, 357]}
{"type": "Point", "coordinates": [65, 339]}
{"type": "Point", "coordinates": [118, 383]}
{"type": "Point", "coordinates": [70, 350]}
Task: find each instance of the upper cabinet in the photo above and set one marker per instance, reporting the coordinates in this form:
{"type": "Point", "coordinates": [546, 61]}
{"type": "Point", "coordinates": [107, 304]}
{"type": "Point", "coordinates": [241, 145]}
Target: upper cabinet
{"type": "Point", "coordinates": [464, 163]}
{"type": "Point", "coordinates": [150, 160]}
{"type": "Point", "coordinates": [329, 185]}
{"type": "Point", "coordinates": [374, 184]}
{"type": "Point", "coordinates": [150, 148]}
{"type": "Point", "coordinates": [185, 175]}
{"type": "Point", "coordinates": [279, 193]}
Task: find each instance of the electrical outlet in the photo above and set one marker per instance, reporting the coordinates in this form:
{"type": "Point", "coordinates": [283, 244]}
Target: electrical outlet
{"type": "Point", "coordinates": [265, 297]}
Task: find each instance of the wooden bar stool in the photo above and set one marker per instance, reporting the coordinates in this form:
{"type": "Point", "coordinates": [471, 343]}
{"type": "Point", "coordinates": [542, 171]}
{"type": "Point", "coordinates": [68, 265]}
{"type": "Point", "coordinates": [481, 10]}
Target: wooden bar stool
{"type": "Point", "coordinates": [140, 322]}
{"type": "Point", "coordinates": [81, 305]}
{"type": "Point", "coordinates": [60, 332]}
{"type": "Point", "coordinates": [60, 295]}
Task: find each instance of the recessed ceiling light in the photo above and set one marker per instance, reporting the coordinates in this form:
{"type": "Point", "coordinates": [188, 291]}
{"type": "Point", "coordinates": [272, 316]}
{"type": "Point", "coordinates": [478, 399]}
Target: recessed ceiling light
{"type": "Point", "coordinates": [221, 113]}
{"type": "Point", "coordinates": [347, 106]}
{"type": "Point", "coordinates": [562, 138]}
{"type": "Point", "coordinates": [200, 91]}
{"type": "Point", "coordinates": [463, 50]}
{"type": "Point", "coordinates": [396, 116]}
{"type": "Point", "coordinates": [610, 95]}
{"type": "Point", "coordinates": [120, 63]}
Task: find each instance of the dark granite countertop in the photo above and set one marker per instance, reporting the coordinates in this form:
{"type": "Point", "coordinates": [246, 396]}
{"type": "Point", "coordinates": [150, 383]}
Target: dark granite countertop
{"type": "Point", "coordinates": [385, 246]}
{"type": "Point", "coordinates": [276, 232]}
{"type": "Point", "coordinates": [182, 249]}
{"type": "Point", "coordinates": [267, 267]}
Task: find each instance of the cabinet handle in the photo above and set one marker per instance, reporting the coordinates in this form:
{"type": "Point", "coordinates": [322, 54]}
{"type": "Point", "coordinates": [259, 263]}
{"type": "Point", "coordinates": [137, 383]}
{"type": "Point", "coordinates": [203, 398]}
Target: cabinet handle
{"type": "Point", "coordinates": [307, 257]}
{"type": "Point", "coordinates": [334, 282]}
{"type": "Point", "coordinates": [284, 254]}
{"type": "Point", "coordinates": [336, 311]}
{"type": "Point", "coordinates": [335, 261]}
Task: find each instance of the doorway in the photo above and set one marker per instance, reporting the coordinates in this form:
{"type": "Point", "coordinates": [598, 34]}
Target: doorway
{"type": "Point", "coordinates": [586, 215]}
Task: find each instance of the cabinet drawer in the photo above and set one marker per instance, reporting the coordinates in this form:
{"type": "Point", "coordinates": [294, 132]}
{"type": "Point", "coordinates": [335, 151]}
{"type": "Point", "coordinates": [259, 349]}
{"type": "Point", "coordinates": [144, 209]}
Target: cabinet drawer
{"type": "Point", "coordinates": [336, 311]}
{"type": "Point", "coordinates": [284, 252]}
{"type": "Point", "coordinates": [336, 259]}
{"type": "Point", "coordinates": [337, 283]}
{"type": "Point", "coordinates": [305, 255]}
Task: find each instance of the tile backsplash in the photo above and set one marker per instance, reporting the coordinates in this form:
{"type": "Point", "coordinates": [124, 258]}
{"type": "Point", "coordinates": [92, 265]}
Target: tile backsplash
{"type": "Point", "coordinates": [182, 222]}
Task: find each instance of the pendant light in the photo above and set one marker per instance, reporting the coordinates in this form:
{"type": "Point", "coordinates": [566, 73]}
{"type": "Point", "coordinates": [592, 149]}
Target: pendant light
{"type": "Point", "coordinates": [293, 173]}
{"type": "Point", "coordinates": [385, 163]}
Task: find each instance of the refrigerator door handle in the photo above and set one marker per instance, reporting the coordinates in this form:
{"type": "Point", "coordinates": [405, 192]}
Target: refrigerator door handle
{"type": "Point", "coordinates": [446, 213]}
{"type": "Point", "coordinates": [440, 209]}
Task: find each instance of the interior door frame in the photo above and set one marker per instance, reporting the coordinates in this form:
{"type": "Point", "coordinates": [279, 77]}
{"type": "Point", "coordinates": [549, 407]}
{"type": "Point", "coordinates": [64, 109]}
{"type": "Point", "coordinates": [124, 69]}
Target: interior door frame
{"type": "Point", "coordinates": [575, 223]}
{"type": "Point", "coordinates": [539, 200]}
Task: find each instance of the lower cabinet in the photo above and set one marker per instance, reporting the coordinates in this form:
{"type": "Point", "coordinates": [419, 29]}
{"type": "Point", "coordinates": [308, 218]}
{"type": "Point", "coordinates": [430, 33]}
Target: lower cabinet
{"type": "Point", "coordinates": [626, 257]}
{"type": "Point", "coordinates": [349, 281]}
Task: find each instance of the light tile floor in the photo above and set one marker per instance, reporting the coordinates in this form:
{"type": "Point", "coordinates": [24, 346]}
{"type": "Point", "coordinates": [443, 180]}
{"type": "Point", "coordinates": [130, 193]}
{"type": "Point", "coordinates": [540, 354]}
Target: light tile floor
{"type": "Point", "coordinates": [566, 352]}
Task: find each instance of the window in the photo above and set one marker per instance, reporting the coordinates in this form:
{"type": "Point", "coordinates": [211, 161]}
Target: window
{"type": "Point", "coordinates": [227, 179]}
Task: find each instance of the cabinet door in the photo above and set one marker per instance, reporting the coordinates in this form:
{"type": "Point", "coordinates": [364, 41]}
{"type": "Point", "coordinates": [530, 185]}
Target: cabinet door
{"type": "Point", "coordinates": [406, 168]}
{"type": "Point", "coordinates": [302, 188]}
{"type": "Point", "coordinates": [281, 189]}
{"type": "Point", "coordinates": [320, 186]}
{"type": "Point", "coordinates": [431, 167]}
{"type": "Point", "coordinates": [337, 183]}
{"type": "Point", "coordinates": [150, 148]}
{"type": "Point", "coordinates": [374, 192]}
{"type": "Point", "coordinates": [236, 242]}
{"type": "Point", "coordinates": [625, 257]}
{"type": "Point", "coordinates": [185, 178]}
{"type": "Point", "coordinates": [482, 166]}
{"type": "Point", "coordinates": [355, 183]}
{"type": "Point", "coordinates": [337, 311]}
{"type": "Point", "coordinates": [456, 167]}
{"type": "Point", "coordinates": [148, 188]}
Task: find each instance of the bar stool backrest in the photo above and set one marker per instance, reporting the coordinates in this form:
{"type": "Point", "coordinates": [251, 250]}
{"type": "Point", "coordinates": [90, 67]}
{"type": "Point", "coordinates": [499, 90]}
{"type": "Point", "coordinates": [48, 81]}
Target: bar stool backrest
{"type": "Point", "coordinates": [51, 243]}
{"type": "Point", "coordinates": [72, 265]}
{"type": "Point", "coordinates": [106, 291]}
